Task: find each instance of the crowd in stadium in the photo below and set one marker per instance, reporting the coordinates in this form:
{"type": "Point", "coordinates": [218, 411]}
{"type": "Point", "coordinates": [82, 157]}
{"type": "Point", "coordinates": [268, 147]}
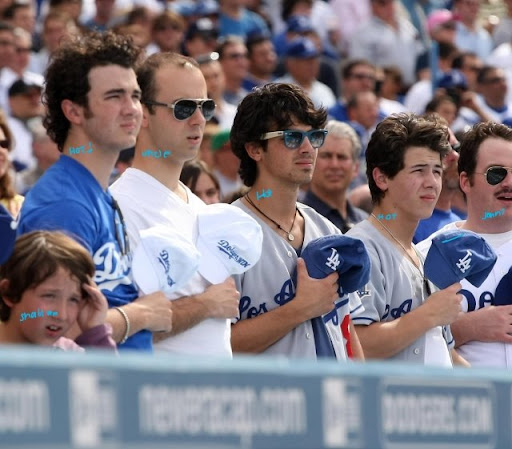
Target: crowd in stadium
{"type": "Point", "coordinates": [371, 137]}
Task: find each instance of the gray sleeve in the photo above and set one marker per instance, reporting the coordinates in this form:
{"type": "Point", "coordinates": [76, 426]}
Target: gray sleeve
{"type": "Point", "coordinates": [238, 278]}
{"type": "Point", "coordinates": [374, 299]}
{"type": "Point", "coordinates": [355, 303]}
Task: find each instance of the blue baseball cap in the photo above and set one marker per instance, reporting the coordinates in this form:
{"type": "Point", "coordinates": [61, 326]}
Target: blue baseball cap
{"type": "Point", "coordinates": [508, 122]}
{"type": "Point", "coordinates": [299, 24]}
{"type": "Point", "coordinates": [503, 293]}
{"type": "Point", "coordinates": [7, 234]}
{"type": "Point", "coordinates": [456, 255]}
{"type": "Point", "coordinates": [454, 78]}
{"type": "Point", "coordinates": [346, 255]}
{"type": "Point", "coordinates": [207, 8]}
{"type": "Point", "coordinates": [204, 28]}
{"type": "Point", "coordinates": [301, 48]}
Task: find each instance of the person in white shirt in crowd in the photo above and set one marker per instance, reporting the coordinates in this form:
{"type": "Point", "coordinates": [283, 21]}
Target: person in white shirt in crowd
{"type": "Point", "coordinates": [233, 59]}
{"type": "Point", "coordinates": [216, 86]}
{"type": "Point", "coordinates": [57, 27]}
{"type": "Point", "coordinates": [389, 89]}
{"type": "Point", "coordinates": [388, 39]}
{"type": "Point", "coordinates": [22, 14]}
{"type": "Point", "coordinates": [25, 104]}
{"type": "Point", "coordinates": [470, 35]}
{"type": "Point", "coordinates": [303, 65]}
{"type": "Point", "coordinates": [420, 93]}
{"type": "Point", "coordinates": [491, 102]}
{"type": "Point", "coordinates": [350, 15]}
{"type": "Point", "coordinates": [502, 33]}
{"type": "Point", "coordinates": [167, 33]}
{"type": "Point", "coordinates": [7, 55]}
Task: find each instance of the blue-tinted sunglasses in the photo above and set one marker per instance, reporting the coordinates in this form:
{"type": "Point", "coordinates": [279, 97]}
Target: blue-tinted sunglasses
{"type": "Point", "coordinates": [293, 138]}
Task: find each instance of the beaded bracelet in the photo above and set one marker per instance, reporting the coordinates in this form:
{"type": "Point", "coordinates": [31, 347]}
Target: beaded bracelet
{"type": "Point", "coordinates": [127, 322]}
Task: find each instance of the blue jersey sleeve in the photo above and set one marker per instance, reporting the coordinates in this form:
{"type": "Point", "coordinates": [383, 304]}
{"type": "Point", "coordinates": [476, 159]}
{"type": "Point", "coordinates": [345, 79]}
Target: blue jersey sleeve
{"type": "Point", "coordinates": [71, 217]}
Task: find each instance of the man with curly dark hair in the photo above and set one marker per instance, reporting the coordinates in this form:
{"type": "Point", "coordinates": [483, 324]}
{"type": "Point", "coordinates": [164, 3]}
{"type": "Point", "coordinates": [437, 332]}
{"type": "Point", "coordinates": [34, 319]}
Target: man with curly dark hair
{"type": "Point", "coordinates": [94, 112]}
{"type": "Point", "coordinates": [276, 133]}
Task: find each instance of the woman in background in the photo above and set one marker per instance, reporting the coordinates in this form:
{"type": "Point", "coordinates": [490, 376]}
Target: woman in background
{"type": "Point", "coordinates": [198, 177]}
{"type": "Point", "coordinates": [8, 196]}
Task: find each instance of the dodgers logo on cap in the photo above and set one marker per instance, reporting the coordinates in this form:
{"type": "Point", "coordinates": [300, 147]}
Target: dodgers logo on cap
{"type": "Point", "coordinates": [229, 241]}
{"type": "Point", "coordinates": [346, 255]}
{"type": "Point", "coordinates": [163, 261]}
{"type": "Point", "coordinates": [456, 255]}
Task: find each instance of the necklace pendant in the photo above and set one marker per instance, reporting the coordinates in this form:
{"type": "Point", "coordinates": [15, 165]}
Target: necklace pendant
{"type": "Point", "coordinates": [291, 237]}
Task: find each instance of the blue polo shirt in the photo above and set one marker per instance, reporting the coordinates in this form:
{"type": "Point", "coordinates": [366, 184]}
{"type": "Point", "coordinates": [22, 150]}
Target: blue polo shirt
{"type": "Point", "coordinates": [69, 198]}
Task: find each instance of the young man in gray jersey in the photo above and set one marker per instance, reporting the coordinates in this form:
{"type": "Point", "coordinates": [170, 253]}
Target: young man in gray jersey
{"type": "Point", "coordinates": [402, 319]}
{"type": "Point", "coordinates": [276, 134]}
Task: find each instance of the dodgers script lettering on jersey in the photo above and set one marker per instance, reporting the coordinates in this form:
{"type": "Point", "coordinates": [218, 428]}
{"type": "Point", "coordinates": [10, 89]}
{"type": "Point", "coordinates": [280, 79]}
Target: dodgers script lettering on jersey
{"type": "Point", "coordinates": [286, 294]}
{"type": "Point", "coordinates": [112, 269]}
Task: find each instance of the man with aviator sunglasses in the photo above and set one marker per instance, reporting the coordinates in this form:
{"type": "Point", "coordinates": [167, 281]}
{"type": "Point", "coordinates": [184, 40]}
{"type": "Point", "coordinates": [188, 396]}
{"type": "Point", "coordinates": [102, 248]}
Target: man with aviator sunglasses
{"type": "Point", "coordinates": [483, 335]}
{"type": "Point", "coordinates": [175, 111]}
{"type": "Point", "coordinates": [276, 134]}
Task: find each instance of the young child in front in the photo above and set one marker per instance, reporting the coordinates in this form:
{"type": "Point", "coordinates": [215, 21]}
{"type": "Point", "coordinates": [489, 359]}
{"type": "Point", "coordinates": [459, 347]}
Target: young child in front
{"type": "Point", "coordinates": [46, 289]}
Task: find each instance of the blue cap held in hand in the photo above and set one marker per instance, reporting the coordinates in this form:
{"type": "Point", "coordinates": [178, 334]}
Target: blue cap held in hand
{"type": "Point", "coordinates": [340, 253]}
{"type": "Point", "coordinates": [456, 255]}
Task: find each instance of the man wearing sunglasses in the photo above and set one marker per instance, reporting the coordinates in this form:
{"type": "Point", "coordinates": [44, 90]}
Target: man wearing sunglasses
{"type": "Point", "coordinates": [93, 105]}
{"type": "Point", "coordinates": [276, 134]}
{"type": "Point", "coordinates": [175, 111]}
{"type": "Point", "coordinates": [483, 335]}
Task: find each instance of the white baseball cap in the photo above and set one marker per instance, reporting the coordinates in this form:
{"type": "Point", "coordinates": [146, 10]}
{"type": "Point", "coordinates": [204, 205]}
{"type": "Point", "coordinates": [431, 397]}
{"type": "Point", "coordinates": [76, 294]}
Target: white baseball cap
{"type": "Point", "coordinates": [229, 241]}
{"type": "Point", "coordinates": [163, 261]}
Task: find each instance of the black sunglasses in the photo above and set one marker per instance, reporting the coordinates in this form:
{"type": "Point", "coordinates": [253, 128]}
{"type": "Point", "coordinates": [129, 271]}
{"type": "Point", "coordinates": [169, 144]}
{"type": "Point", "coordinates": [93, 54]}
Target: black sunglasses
{"type": "Point", "coordinates": [293, 138]}
{"type": "Point", "coordinates": [120, 228]}
{"type": "Point", "coordinates": [4, 144]}
{"type": "Point", "coordinates": [185, 108]}
{"type": "Point", "coordinates": [496, 174]}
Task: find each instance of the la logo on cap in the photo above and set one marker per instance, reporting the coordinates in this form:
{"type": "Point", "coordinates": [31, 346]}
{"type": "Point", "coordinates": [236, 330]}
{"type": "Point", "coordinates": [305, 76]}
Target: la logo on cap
{"type": "Point", "coordinates": [333, 261]}
{"type": "Point", "coordinates": [464, 263]}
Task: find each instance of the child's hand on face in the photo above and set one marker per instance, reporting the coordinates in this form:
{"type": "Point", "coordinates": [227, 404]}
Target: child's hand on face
{"type": "Point", "coordinates": [94, 310]}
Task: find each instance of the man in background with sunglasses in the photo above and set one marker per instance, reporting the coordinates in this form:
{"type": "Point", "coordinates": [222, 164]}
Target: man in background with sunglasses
{"type": "Point", "coordinates": [93, 113]}
{"type": "Point", "coordinates": [175, 111]}
{"type": "Point", "coordinates": [276, 134]}
{"type": "Point", "coordinates": [483, 335]}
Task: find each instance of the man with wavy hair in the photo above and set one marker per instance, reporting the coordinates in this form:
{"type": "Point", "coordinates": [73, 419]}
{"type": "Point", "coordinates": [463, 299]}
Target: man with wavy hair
{"type": "Point", "coordinates": [93, 112]}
